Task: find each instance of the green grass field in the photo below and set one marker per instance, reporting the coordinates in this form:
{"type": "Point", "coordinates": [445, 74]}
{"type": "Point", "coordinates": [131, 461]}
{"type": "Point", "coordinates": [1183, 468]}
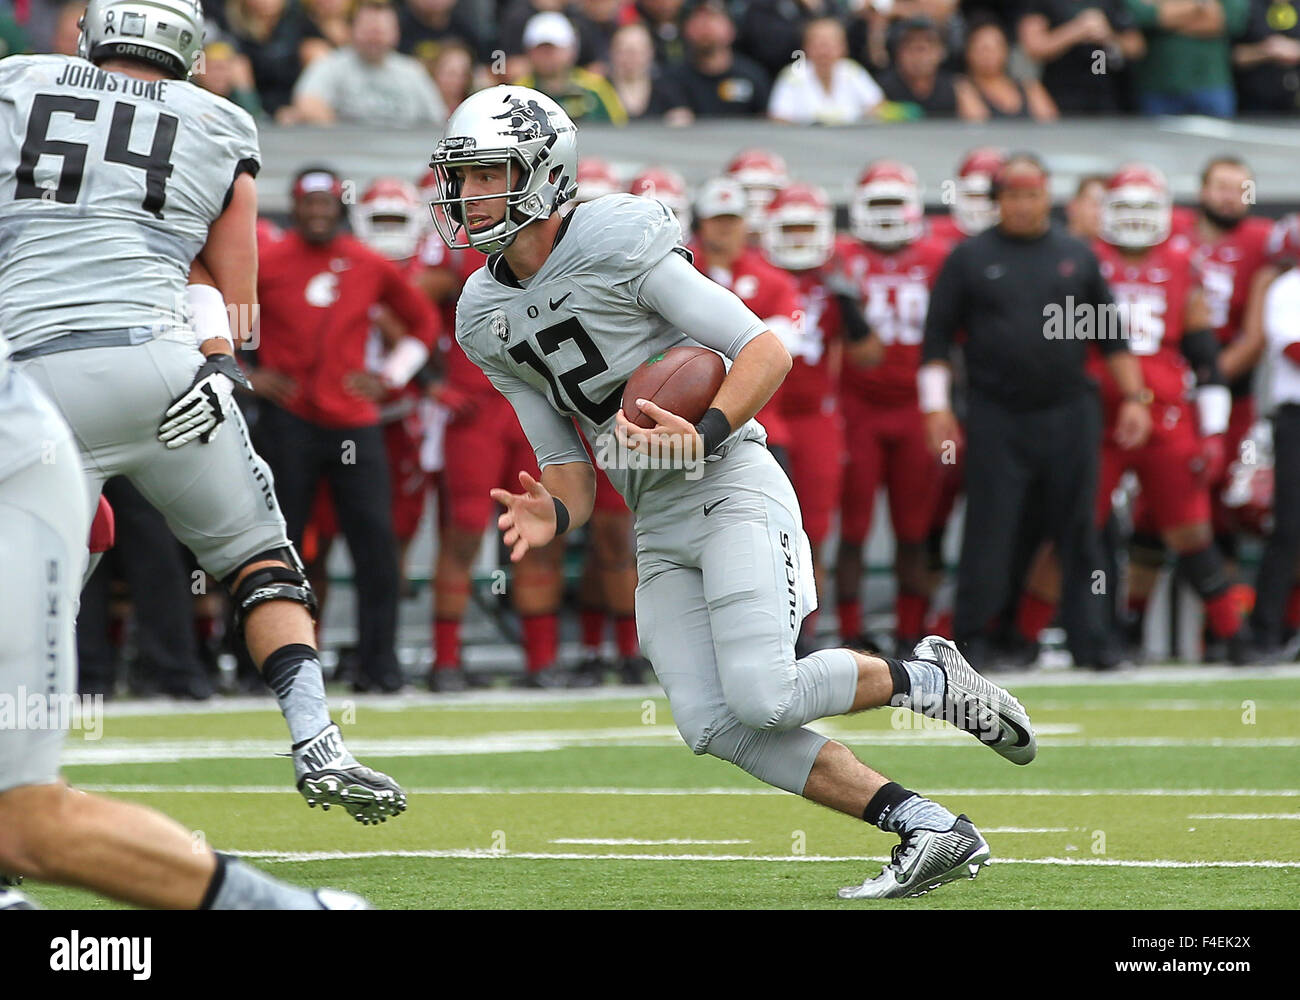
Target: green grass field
{"type": "Point", "coordinates": [1168, 788]}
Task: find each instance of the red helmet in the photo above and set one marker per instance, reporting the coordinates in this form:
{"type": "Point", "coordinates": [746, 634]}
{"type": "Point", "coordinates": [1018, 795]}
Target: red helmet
{"type": "Point", "coordinates": [1137, 210]}
{"type": "Point", "coordinates": [595, 178]}
{"type": "Point", "coordinates": [799, 205]}
{"type": "Point", "coordinates": [762, 174]}
{"type": "Point", "coordinates": [973, 207]}
{"type": "Point", "coordinates": [886, 209]}
{"type": "Point", "coordinates": [667, 186]}
{"type": "Point", "coordinates": [389, 218]}
{"type": "Point", "coordinates": [1284, 241]}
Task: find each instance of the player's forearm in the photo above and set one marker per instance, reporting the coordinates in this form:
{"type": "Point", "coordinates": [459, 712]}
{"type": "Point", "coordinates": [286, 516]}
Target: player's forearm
{"type": "Point", "coordinates": [755, 375]}
{"type": "Point", "coordinates": [206, 306]}
{"type": "Point", "coordinates": [574, 485]}
{"type": "Point", "coordinates": [1127, 373]}
{"type": "Point", "coordinates": [230, 256]}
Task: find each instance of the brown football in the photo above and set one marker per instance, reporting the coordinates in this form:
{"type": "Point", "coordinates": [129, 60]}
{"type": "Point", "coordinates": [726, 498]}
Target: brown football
{"type": "Point", "coordinates": [683, 380]}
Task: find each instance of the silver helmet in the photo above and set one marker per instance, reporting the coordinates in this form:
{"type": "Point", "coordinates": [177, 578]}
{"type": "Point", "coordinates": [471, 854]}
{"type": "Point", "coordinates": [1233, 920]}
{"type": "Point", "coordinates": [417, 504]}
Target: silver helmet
{"type": "Point", "coordinates": [165, 33]}
{"type": "Point", "coordinates": [531, 137]}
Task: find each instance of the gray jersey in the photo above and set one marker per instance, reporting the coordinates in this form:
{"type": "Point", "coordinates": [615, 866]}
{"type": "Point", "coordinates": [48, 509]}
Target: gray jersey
{"type": "Point", "coordinates": [564, 345]}
{"type": "Point", "coordinates": [108, 185]}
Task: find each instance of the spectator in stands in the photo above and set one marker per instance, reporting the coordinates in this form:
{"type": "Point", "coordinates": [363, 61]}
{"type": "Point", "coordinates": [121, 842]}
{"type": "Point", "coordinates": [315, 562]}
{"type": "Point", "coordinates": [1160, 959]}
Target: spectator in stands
{"type": "Point", "coordinates": [368, 81]}
{"type": "Point", "coordinates": [873, 30]}
{"type": "Point", "coordinates": [331, 18]}
{"type": "Point", "coordinates": [1083, 211]}
{"type": "Point", "coordinates": [665, 20]}
{"type": "Point", "coordinates": [1188, 67]}
{"type": "Point", "coordinates": [515, 15]}
{"type": "Point", "coordinates": [320, 420]}
{"type": "Point", "coordinates": [917, 76]}
{"type": "Point", "coordinates": [771, 31]}
{"type": "Point", "coordinates": [824, 87]}
{"type": "Point", "coordinates": [1083, 50]}
{"type": "Point", "coordinates": [1267, 59]}
{"type": "Point", "coordinates": [453, 72]}
{"type": "Point", "coordinates": [633, 74]}
{"type": "Point", "coordinates": [999, 94]}
{"type": "Point", "coordinates": [227, 74]}
{"type": "Point", "coordinates": [278, 40]}
{"type": "Point", "coordinates": [716, 80]}
{"type": "Point", "coordinates": [426, 25]}
{"type": "Point", "coordinates": [551, 45]}
{"type": "Point", "coordinates": [67, 28]}
{"type": "Point", "coordinates": [595, 21]}
{"type": "Point", "coordinates": [13, 40]}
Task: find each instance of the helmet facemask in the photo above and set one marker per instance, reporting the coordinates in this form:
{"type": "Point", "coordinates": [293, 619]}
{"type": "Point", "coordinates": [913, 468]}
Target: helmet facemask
{"type": "Point", "coordinates": [1135, 220]}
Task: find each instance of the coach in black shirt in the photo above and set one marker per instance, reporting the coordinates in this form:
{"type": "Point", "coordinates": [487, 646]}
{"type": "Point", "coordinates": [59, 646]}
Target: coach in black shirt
{"type": "Point", "coordinates": [1033, 303]}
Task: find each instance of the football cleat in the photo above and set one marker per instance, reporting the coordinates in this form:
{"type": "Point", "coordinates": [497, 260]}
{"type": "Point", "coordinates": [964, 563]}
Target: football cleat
{"type": "Point", "coordinates": [336, 899]}
{"type": "Point", "coordinates": [12, 899]}
{"type": "Point", "coordinates": [977, 705]}
{"type": "Point", "coordinates": [330, 776]}
{"type": "Point", "coordinates": [925, 860]}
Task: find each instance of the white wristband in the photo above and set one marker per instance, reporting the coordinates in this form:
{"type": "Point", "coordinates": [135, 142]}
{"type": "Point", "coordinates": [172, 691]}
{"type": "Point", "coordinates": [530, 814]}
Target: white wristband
{"type": "Point", "coordinates": [208, 314]}
{"type": "Point", "coordinates": [934, 387]}
{"type": "Point", "coordinates": [403, 361]}
{"type": "Point", "coordinates": [1214, 406]}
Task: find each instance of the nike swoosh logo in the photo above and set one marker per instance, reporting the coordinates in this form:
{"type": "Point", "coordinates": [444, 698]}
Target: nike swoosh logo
{"type": "Point", "coordinates": [556, 303]}
{"type": "Point", "coordinates": [1022, 737]}
{"type": "Point", "coordinates": [710, 507]}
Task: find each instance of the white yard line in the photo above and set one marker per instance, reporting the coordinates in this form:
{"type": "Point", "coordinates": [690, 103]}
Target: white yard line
{"type": "Point", "coordinates": [286, 789]}
{"type": "Point", "coordinates": [273, 857]}
{"type": "Point", "coordinates": [634, 842]}
{"type": "Point", "coordinates": [1025, 829]}
{"type": "Point", "coordinates": [1244, 816]}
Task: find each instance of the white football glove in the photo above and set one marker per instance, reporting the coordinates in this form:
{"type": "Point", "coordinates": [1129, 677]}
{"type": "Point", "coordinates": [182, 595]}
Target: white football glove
{"type": "Point", "coordinates": [200, 411]}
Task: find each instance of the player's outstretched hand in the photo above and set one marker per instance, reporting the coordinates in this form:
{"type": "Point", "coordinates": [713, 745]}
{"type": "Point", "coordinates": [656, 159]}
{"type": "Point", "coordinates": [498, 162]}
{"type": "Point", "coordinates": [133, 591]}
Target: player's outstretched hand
{"type": "Point", "coordinates": [671, 434]}
{"type": "Point", "coordinates": [529, 518]}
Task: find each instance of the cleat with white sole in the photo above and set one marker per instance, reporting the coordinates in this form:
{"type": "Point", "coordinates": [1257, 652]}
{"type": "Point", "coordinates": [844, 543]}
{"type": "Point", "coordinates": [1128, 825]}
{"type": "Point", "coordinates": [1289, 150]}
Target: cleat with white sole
{"type": "Point", "coordinates": [925, 860]}
{"type": "Point", "coordinates": [12, 899]}
{"type": "Point", "coordinates": [336, 899]}
{"type": "Point", "coordinates": [327, 775]}
{"type": "Point", "coordinates": [974, 703]}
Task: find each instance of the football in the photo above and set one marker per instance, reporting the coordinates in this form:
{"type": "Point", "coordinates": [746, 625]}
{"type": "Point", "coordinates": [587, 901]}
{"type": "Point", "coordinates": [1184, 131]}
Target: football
{"type": "Point", "coordinates": [683, 380]}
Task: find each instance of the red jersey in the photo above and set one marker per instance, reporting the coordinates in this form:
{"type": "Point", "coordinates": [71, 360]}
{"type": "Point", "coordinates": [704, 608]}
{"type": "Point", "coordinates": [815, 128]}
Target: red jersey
{"type": "Point", "coordinates": [1151, 291]}
{"type": "Point", "coordinates": [1228, 266]}
{"type": "Point", "coordinates": [812, 384]}
{"type": "Point", "coordinates": [894, 292]}
{"type": "Point", "coordinates": [944, 227]}
{"type": "Point", "coordinates": [772, 295]}
{"type": "Point", "coordinates": [459, 371]}
{"type": "Point", "coordinates": [315, 320]}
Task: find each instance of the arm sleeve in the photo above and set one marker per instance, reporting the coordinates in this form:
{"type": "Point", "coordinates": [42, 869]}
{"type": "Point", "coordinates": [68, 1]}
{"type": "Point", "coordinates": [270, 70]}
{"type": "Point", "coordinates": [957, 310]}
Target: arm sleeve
{"type": "Point", "coordinates": [1201, 349]}
{"type": "Point", "coordinates": [554, 439]}
{"type": "Point", "coordinates": [947, 307]}
{"type": "Point", "coordinates": [700, 308]}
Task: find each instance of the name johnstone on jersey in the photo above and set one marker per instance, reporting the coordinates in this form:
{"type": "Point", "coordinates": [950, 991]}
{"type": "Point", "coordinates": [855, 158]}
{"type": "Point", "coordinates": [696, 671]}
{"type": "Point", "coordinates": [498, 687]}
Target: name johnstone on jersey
{"type": "Point", "coordinates": [86, 75]}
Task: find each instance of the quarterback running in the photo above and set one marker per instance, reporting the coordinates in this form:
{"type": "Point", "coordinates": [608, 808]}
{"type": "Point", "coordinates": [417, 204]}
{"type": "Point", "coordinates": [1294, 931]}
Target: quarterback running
{"type": "Point", "coordinates": [120, 181]}
{"type": "Point", "coordinates": [569, 304]}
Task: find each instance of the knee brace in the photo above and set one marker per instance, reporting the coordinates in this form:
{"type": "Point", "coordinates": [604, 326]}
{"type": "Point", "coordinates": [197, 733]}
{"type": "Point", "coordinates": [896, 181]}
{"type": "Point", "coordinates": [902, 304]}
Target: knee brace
{"type": "Point", "coordinates": [271, 583]}
{"type": "Point", "coordinates": [1205, 571]}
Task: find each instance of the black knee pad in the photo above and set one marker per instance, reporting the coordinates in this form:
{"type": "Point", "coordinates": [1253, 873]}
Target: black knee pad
{"type": "Point", "coordinates": [1146, 550]}
{"type": "Point", "coordinates": [271, 583]}
{"type": "Point", "coordinates": [1205, 571]}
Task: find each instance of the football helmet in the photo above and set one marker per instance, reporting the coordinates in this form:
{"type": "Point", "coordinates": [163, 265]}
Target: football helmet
{"type": "Point", "coordinates": [762, 174]}
{"type": "Point", "coordinates": [595, 178]}
{"type": "Point", "coordinates": [973, 207]}
{"type": "Point", "coordinates": [799, 205]}
{"type": "Point", "coordinates": [165, 33]}
{"type": "Point", "coordinates": [524, 131]}
{"type": "Point", "coordinates": [388, 218]}
{"type": "Point", "coordinates": [668, 187]}
{"type": "Point", "coordinates": [1284, 241]}
{"type": "Point", "coordinates": [1136, 210]}
{"type": "Point", "coordinates": [886, 209]}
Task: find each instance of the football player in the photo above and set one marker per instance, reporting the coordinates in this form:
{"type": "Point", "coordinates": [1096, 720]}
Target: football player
{"type": "Point", "coordinates": [568, 306]}
{"type": "Point", "coordinates": [483, 445]}
{"type": "Point", "coordinates": [761, 173]}
{"type": "Point", "coordinates": [800, 239]}
{"type": "Point", "coordinates": [971, 206]}
{"type": "Point", "coordinates": [87, 300]}
{"type": "Point", "coordinates": [668, 187]}
{"type": "Point", "coordinates": [890, 268]}
{"type": "Point", "coordinates": [1157, 287]}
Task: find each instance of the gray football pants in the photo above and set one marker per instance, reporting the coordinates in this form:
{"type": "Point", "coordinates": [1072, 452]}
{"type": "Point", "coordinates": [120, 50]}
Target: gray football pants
{"type": "Point", "coordinates": [44, 522]}
{"type": "Point", "coordinates": [725, 579]}
{"type": "Point", "coordinates": [217, 498]}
